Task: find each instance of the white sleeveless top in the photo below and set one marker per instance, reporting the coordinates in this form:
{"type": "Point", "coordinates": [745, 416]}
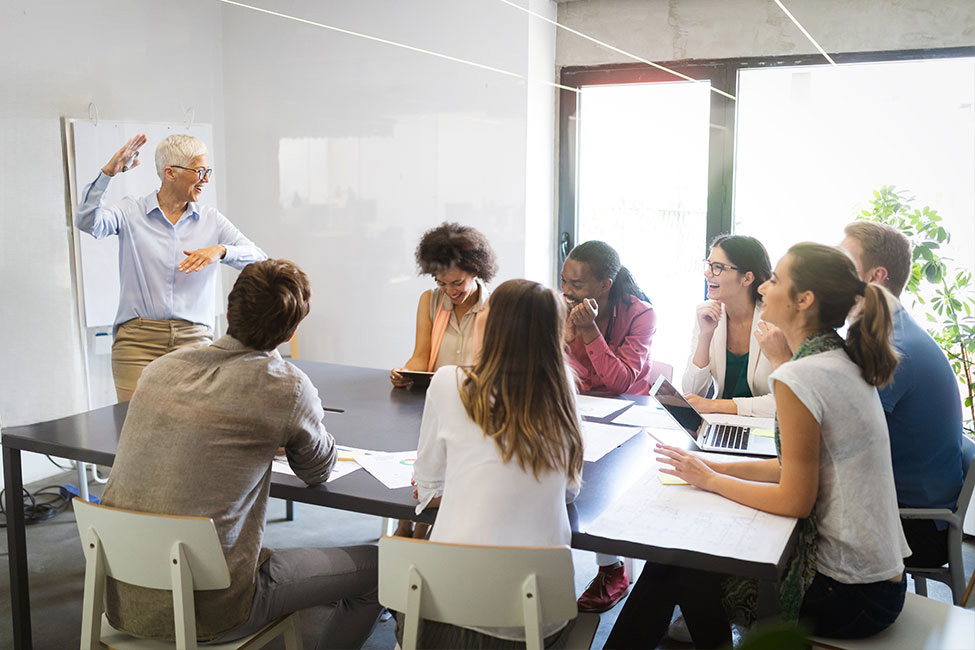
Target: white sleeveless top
{"type": "Point", "coordinates": [860, 534]}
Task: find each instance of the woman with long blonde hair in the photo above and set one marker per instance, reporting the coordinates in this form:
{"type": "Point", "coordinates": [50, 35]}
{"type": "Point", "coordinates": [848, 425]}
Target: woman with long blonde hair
{"type": "Point", "coordinates": [500, 443]}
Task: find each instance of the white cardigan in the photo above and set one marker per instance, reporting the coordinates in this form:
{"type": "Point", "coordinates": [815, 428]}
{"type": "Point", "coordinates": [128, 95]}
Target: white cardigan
{"type": "Point", "coordinates": [699, 380]}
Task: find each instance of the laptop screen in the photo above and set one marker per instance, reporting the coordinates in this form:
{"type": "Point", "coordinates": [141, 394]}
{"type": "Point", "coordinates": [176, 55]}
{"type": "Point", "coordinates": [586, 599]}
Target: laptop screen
{"type": "Point", "coordinates": [677, 406]}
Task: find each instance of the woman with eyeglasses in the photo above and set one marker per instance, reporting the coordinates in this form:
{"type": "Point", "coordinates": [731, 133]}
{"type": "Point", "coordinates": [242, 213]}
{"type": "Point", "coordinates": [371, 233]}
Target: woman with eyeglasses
{"type": "Point", "coordinates": [501, 444]}
{"type": "Point", "coordinates": [724, 351]}
{"type": "Point", "coordinates": [169, 246]}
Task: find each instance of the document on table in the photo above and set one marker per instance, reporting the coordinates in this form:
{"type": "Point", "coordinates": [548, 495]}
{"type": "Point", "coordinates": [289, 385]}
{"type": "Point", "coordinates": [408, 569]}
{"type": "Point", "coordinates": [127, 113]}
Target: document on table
{"type": "Point", "coordinates": [340, 469]}
{"type": "Point", "coordinates": [600, 439]}
{"type": "Point", "coordinates": [599, 407]}
{"type": "Point", "coordinates": [684, 517]}
{"type": "Point", "coordinates": [645, 416]}
{"type": "Point", "coordinates": [394, 469]}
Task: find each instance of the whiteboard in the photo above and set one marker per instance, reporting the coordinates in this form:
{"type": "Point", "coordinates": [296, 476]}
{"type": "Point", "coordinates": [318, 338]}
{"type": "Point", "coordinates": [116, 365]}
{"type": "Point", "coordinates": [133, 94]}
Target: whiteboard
{"type": "Point", "coordinates": [89, 146]}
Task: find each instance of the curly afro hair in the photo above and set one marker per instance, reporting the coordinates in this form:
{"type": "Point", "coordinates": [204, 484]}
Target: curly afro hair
{"type": "Point", "coordinates": [453, 245]}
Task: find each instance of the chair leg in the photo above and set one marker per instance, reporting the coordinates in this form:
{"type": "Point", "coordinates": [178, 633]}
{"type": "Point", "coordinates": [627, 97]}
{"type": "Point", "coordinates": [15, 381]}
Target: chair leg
{"type": "Point", "coordinates": [292, 635]}
{"type": "Point", "coordinates": [920, 586]}
{"type": "Point", "coordinates": [968, 590]}
{"type": "Point", "coordinates": [289, 510]}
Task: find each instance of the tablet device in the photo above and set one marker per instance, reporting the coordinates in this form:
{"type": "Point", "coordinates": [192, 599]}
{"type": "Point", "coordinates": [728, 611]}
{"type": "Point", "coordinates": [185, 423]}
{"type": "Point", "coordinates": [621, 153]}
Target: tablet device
{"type": "Point", "coordinates": [420, 378]}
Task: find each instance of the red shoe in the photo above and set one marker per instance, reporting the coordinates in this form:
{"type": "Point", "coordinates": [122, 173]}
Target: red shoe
{"type": "Point", "coordinates": [605, 590]}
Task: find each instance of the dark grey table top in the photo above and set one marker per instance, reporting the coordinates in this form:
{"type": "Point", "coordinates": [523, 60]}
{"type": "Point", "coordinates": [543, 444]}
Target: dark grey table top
{"type": "Point", "coordinates": [374, 415]}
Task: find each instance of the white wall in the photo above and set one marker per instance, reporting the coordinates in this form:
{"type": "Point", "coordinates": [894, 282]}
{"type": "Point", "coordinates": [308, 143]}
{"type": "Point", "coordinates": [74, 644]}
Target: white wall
{"type": "Point", "coordinates": [342, 152]}
{"type": "Point", "coordinates": [378, 144]}
{"type": "Point", "coordinates": [141, 61]}
{"type": "Point", "coordinates": [715, 29]}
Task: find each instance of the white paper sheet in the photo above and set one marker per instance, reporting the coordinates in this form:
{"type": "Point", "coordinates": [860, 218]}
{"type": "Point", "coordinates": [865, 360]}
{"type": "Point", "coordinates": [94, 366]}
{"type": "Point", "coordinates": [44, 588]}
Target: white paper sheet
{"type": "Point", "coordinates": [600, 439]}
{"type": "Point", "coordinates": [341, 468]}
{"type": "Point", "coordinates": [599, 407]}
{"type": "Point", "coordinates": [684, 517]}
{"type": "Point", "coordinates": [645, 416]}
{"type": "Point", "coordinates": [393, 469]}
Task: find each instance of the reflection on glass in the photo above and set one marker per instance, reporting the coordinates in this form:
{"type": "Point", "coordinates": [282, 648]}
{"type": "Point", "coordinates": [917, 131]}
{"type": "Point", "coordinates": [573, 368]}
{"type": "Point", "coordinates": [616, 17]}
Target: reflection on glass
{"type": "Point", "coordinates": [814, 142]}
{"type": "Point", "coordinates": [643, 164]}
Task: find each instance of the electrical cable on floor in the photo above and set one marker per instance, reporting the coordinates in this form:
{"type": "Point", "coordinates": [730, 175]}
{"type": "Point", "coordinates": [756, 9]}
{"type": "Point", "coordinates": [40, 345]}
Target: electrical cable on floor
{"type": "Point", "coordinates": [39, 506]}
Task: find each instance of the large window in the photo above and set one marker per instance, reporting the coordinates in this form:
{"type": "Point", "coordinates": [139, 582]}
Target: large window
{"type": "Point", "coordinates": [643, 165]}
{"type": "Point", "coordinates": [800, 150]}
{"type": "Point", "coordinates": [815, 141]}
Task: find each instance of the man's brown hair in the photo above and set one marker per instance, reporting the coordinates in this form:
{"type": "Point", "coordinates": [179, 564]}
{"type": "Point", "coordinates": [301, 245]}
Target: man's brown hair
{"type": "Point", "coordinates": [884, 246]}
{"type": "Point", "coordinates": [267, 302]}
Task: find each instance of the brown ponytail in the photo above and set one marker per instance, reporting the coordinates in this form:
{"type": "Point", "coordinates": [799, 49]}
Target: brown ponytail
{"type": "Point", "coordinates": [829, 273]}
{"type": "Point", "coordinates": [868, 338]}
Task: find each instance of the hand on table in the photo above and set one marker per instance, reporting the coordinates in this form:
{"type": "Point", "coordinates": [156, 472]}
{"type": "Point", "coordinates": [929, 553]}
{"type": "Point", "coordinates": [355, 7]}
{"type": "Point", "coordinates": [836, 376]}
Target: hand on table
{"type": "Point", "coordinates": [773, 343]}
{"type": "Point", "coordinates": [130, 150]}
{"type": "Point", "coordinates": [708, 315]}
{"type": "Point", "coordinates": [201, 257]}
{"type": "Point", "coordinates": [398, 380]}
{"type": "Point", "coordinates": [684, 465]}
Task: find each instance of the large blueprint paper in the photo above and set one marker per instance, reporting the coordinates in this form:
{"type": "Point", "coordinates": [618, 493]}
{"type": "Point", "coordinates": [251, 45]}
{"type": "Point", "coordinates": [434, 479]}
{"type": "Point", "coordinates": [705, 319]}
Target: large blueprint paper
{"type": "Point", "coordinates": [684, 517]}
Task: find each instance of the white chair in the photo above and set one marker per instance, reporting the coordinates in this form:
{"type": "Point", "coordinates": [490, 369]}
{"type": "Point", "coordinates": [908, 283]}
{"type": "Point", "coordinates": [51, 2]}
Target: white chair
{"type": "Point", "coordinates": [923, 624]}
{"type": "Point", "coordinates": [954, 574]}
{"type": "Point", "coordinates": [181, 554]}
{"type": "Point", "coordinates": [483, 586]}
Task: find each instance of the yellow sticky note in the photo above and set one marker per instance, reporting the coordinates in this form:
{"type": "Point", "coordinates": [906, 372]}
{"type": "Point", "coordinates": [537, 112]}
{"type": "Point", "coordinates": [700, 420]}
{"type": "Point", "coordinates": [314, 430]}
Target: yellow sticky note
{"type": "Point", "coordinates": [765, 433]}
{"type": "Point", "coordinates": [669, 479]}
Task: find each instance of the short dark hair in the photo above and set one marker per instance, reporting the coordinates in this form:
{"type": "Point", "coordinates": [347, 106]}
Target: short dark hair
{"type": "Point", "coordinates": [884, 246]}
{"type": "Point", "coordinates": [452, 245]}
{"type": "Point", "coordinates": [748, 254]}
{"type": "Point", "coordinates": [268, 301]}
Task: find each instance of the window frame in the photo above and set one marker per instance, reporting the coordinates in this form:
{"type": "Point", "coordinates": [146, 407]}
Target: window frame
{"type": "Point", "coordinates": [723, 75]}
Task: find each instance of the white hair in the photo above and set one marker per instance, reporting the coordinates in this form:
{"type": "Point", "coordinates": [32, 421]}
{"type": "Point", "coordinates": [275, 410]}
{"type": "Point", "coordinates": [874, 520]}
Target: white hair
{"type": "Point", "coordinates": [178, 149]}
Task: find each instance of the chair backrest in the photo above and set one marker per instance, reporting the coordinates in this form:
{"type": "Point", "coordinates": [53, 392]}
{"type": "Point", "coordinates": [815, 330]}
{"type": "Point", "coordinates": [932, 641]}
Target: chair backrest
{"type": "Point", "coordinates": [968, 458]}
{"type": "Point", "coordinates": [658, 368]}
{"type": "Point", "coordinates": [180, 554]}
{"type": "Point", "coordinates": [485, 586]}
{"type": "Point", "coordinates": [138, 546]}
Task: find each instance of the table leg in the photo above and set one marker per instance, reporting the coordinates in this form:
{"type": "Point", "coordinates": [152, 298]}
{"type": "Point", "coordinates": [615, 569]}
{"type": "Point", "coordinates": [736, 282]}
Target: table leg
{"type": "Point", "coordinates": [768, 600]}
{"type": "Point", "coordinates": [17, 548]}
{"type": "Point", "coordinates": [289, 510]}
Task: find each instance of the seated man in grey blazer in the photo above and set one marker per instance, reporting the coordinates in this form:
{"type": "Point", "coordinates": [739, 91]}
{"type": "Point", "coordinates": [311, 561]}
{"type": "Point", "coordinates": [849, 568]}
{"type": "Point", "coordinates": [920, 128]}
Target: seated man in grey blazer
{"type": "Point", "coordinates": [202, 429]}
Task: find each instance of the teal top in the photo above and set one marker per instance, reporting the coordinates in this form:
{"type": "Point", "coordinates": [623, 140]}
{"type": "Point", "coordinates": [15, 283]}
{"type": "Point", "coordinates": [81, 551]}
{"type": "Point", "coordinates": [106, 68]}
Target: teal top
{"type": "Point", "coordinates": [736, 376]}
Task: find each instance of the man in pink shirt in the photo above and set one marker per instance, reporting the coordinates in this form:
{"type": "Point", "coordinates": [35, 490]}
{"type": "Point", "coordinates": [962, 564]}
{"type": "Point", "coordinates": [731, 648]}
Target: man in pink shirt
{"type": "Point", "coordinates": [608, 333]}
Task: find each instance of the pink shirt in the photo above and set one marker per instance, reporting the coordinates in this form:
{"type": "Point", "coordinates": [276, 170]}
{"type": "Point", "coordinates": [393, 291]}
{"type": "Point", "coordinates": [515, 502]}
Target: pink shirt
{"type": "Point", "coordinates": [620, 364]}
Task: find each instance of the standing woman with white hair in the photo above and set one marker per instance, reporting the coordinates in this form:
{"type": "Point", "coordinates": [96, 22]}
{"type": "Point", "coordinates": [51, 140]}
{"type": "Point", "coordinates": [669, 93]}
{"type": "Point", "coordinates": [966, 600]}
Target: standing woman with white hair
{"type": "Point", "coordinates": [168, 245]}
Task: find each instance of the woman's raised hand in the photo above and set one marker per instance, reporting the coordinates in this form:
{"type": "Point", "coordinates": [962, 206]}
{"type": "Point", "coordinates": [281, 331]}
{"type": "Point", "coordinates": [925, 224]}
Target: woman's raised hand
{"type": "Point", "coordinates": [708, 315]}
{"type": "Point", "coordinates": [125, 158]}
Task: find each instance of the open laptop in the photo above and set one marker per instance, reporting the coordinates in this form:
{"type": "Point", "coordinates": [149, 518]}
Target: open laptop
{"type": "Point", "coordinates": [721, 438]}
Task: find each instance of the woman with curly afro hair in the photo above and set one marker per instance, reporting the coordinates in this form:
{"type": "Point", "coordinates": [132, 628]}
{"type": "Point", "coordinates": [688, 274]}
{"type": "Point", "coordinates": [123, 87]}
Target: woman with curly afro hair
{"type": "Point", "coordinates": [450, 318]}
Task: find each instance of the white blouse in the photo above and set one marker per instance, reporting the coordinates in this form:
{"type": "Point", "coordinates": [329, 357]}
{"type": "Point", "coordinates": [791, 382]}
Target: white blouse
{"type": "Point", "coordinates": [860, 534]}
{"type": "Point", "coordinates": [485, 500]}
{"type": "Point", "coordinates": [699, 380]}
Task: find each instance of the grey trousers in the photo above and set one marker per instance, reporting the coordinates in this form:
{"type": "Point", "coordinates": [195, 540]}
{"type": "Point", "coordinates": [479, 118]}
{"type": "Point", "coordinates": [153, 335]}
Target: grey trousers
{"type": "Point", "coordinates": [298, 578]}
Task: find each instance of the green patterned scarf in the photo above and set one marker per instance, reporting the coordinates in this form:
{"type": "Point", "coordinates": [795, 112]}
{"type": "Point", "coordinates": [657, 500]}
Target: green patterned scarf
{"type": "Point", "coordinates": [741, 594]}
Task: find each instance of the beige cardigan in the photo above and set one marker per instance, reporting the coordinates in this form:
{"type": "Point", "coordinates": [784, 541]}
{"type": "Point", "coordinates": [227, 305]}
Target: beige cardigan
{"type": "Point", "coordinates": [699, 380]}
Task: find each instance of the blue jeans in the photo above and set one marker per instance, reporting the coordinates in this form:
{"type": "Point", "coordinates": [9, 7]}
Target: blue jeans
{"type": "Point", "coordinates": [834, 609]}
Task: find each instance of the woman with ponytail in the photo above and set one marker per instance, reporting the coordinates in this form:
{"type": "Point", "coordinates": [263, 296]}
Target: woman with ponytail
{"type": "Point", "coordinates": [833, 471]}
{"type": "Point", "coordinates": [608, 333]}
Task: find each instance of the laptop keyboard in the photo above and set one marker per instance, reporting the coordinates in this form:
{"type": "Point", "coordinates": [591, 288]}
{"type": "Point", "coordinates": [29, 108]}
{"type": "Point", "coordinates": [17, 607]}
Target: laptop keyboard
{"type": "Point", "coordinates": [728, 436]}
